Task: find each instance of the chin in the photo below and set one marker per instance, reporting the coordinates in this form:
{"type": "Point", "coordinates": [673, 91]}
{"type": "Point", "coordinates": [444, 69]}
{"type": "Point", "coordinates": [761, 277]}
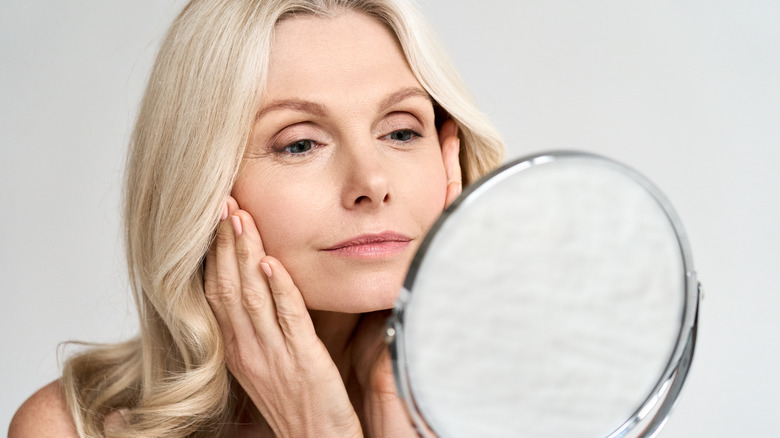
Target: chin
{"type": "Point", "coordinates": [355, 295]}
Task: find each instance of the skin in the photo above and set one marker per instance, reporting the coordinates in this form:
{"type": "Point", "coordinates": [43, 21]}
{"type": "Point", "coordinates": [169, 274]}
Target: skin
{"type": "Point", "coordinates": [373, 164]}
{"type": "Point", "coordinates": [345, 146]}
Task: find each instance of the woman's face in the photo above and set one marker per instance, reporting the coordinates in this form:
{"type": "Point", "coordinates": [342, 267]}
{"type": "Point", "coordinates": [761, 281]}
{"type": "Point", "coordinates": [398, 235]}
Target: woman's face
{"type": "Point", "coordinates": [344, 172]}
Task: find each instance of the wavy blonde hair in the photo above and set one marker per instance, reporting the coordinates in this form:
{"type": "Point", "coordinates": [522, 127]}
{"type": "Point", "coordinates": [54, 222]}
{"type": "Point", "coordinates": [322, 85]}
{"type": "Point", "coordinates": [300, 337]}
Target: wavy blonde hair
{"type": "Point", "coordinates": [189, 139]}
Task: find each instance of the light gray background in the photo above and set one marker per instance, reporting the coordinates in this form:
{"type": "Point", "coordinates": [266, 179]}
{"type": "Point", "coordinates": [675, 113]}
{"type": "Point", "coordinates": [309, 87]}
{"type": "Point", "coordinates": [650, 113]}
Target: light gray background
{"type": "Point", "coordinates": [688, 93]}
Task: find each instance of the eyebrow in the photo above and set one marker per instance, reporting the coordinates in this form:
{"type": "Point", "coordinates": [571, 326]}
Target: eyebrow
{"type": "Point", "coordinates": [302, 106]}
{"type": "Point", "coordinates": [403, 94]}
{"type": "Point", "coordinates": [319, 110]}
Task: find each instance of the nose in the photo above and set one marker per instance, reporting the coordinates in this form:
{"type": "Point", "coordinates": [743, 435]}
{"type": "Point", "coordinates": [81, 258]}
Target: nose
{"type": "Point", "coordinates": [366, 183]}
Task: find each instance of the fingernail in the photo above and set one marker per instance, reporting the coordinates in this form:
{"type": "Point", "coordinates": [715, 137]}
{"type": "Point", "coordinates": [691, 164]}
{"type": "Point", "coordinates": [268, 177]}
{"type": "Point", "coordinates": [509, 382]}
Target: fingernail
{"type": "Point", "coordinates": [224, 211]}
{"type": "Point", "coordinates": [237, 225]}
{"type": "Point", "coordinates": [267, 269]}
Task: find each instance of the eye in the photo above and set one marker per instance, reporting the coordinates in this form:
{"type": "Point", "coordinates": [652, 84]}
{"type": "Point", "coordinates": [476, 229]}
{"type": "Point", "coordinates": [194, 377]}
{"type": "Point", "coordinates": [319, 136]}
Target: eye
{"type": "Point", "coordinates": [403, 135]}
{"type": "Point", "coordinates": [299, 147]}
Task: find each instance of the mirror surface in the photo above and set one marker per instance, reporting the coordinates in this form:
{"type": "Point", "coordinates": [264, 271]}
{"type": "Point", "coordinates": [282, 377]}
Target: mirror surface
{"type": "Point", "coordinates": [554, 298]}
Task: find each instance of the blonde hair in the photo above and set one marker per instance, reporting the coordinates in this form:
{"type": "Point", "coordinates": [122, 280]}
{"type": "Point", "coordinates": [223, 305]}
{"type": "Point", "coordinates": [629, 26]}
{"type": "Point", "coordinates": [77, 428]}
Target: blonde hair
{"type": "Point", "coordinates": [186, 149]}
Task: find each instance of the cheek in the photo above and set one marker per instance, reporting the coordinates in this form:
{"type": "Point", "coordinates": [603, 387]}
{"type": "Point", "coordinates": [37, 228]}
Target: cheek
{"type": "Point", "coordinates": [294, 217]}
{"type": "Point", "coordinates": [428, 191]}
{"type": "Point", "coordinates": [282, 212]}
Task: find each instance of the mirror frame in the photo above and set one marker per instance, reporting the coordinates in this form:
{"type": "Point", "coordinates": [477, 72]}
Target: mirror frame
{"type": "Point", "coordinates": [651, 415]}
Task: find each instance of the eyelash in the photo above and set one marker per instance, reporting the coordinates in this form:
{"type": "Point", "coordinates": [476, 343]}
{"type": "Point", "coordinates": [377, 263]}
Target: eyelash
{"type": "Point", "coordinates": [414, 135]}
{"type": "Point", "coordinates": [287, 150]}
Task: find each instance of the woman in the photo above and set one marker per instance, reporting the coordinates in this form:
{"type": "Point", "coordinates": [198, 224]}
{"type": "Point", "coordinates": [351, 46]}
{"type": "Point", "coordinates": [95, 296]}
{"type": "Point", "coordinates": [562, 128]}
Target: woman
{"type": "Point", "coordinates": [288, 158]}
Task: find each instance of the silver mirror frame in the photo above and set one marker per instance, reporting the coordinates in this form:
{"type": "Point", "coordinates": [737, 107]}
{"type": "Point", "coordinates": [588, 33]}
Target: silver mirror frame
{"type": "Point", "coordinates": [647, 419]}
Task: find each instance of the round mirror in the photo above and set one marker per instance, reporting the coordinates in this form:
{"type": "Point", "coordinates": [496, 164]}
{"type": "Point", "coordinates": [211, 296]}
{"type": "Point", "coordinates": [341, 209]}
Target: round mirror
{"type": "Point", "coordinates": [555, 298]}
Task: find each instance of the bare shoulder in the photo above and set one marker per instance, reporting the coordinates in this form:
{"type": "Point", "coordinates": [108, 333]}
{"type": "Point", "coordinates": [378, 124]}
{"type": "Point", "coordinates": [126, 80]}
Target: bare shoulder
{"type": "Point", "coordinates": [45, 413]}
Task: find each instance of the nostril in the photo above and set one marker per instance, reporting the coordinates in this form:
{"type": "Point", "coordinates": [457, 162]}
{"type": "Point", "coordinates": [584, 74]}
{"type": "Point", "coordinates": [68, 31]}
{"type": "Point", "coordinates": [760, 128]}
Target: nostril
{"type": "Point", "coordinates": [367, 199]}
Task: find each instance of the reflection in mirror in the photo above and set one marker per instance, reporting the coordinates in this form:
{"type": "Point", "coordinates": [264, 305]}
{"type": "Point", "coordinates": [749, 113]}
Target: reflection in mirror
{"type": "Point", "coordinates": [554, 298]}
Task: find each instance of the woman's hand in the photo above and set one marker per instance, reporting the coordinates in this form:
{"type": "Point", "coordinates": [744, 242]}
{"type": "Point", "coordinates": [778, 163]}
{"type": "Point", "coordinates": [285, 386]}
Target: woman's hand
{"type": "Point", "coordinates": [450, 153]}
{"type": "Point", "coordinates": [271, 346]}
{"type": "Point", "coordinates": [273, 350]}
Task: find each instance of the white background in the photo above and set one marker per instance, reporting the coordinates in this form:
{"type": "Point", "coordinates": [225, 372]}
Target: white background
{"type": "Point", "coordinates": [686, 92]}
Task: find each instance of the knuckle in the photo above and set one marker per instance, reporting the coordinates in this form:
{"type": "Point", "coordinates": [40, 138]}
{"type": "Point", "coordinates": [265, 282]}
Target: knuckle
{"type": "Point", "coordinates": [221, 290]}
{"type": "Point", "coordinates": [223, 238]}
{"type": "Point", "coordinates": [254, 300]}
{"type": "Point", "coordinates": [243, 252]}
{"type": "Point", "coordinates": [290, 316]}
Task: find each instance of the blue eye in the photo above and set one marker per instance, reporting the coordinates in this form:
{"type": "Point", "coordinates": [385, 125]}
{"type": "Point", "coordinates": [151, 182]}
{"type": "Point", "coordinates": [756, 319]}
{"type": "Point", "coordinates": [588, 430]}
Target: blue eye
{"type": "Point", "coordinates": [403, 135]}
{"type": "Point", "coordinates": [299, 147]}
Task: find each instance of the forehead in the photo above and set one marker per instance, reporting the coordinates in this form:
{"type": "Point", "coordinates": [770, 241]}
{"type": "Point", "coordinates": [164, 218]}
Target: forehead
{"type": "Point", "coordinates": [351, 53]}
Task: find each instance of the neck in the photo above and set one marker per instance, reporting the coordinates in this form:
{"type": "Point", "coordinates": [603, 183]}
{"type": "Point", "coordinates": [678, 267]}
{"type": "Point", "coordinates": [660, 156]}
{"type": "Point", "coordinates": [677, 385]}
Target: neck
{"type": "Point", "coordinates": [335, 330]}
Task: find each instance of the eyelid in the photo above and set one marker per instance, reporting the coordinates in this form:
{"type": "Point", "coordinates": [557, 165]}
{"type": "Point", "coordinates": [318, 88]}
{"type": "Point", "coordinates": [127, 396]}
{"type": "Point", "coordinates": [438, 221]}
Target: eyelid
{"type": "Point", "coordinates": [410, 112]}
{"type": "Point", "coordinates": [291, 134]}
{"type": "Point", "coordinates": [401, 120]}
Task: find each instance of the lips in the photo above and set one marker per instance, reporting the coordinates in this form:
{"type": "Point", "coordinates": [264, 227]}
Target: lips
{"type": "Point", "coordinates": [372, 245]}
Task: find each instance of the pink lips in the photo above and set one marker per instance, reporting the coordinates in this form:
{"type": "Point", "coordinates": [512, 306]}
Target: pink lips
{"type": "Point", "coordinates": [372, 245]}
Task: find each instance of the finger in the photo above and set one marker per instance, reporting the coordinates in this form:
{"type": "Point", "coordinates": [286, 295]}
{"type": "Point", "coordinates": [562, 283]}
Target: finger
{"type": "Point", "coordinates": [210, 286]}
{"type": "Point", "coordinates": [232, 205]}
{"type": "Point", "coordinates": [224, 291]}
{"type": "Point", "coordinates": [450, 152]}
{"type": "Point", "coordinates": [454, 190]}
{"type": "Point", "coordinates": [256, 294]}
{"type": "Point", "coordinates": [448, 129]}
{"type": "Point", "coordinates": [291, 312]}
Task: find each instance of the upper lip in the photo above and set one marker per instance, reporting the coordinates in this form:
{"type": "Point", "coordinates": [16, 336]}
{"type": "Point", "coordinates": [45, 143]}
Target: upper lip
{"type": "Point", "coordinates": [368, 239]}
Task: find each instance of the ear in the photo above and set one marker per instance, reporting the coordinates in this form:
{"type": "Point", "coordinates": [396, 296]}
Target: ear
{"type": "Point", "coordinates": [450, 154]}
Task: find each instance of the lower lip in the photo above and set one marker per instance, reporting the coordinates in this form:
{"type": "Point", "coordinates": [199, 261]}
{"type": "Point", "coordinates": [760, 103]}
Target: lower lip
{"type": "Point", "coordinates": [371, 250]}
